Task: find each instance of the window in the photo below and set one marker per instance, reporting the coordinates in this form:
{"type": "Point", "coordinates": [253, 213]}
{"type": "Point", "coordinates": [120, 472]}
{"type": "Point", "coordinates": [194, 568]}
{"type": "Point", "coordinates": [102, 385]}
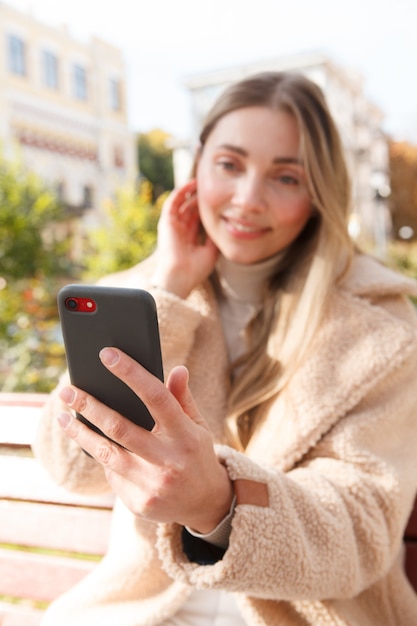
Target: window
{"type": "Point", "coordinates": [50, 69]}
{"type": "Point", "coordinates": [61, 190]}
{"type": "Point", "coordinates": [16, 55]}
{"type": "Point", "coordinates": [118, 157]}
{"type": "Point", "coordinates": [88, 196]}
{"type": "Point", "coordinates": [114, 92]}
{"type": "Point", "coordinates": [79, 82]}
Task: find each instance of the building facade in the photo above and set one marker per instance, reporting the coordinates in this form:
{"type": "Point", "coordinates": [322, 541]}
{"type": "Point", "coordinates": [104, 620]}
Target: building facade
{"type": "Point", "coordinates": [63, 111]}
{"type": "Point", "coordinates": [359, 122]}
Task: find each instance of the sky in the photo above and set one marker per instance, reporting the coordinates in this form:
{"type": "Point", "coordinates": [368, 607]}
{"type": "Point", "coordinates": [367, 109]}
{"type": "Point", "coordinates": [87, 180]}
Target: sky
{"type": "Point", "coordinates": [165, 42]}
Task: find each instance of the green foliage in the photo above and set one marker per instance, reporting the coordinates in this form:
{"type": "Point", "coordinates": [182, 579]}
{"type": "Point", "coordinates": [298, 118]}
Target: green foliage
{"type": "Point", "coordinates": [28, 211]}
{"type": "Point", "coordinates": [127, 237]}
{"type": "Point", "coordinates": [31, 351]}
{"type": "Point", "coordinates": [33, 266]}
{"type": "Point", "coordinates": [33, 253]}
{"type": "Point", "coordinates": [402, 256]}
{"type": "Point", "coordinates": [155, 161]}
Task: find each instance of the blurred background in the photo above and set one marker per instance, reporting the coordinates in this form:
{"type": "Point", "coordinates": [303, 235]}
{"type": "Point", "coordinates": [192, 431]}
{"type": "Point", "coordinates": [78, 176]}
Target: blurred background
{"type": "Point", "coordinates": [100, 106]}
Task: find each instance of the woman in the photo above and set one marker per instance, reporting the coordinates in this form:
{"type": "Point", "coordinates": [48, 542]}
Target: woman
{"type": "Point", "coordinates": [281, 472]}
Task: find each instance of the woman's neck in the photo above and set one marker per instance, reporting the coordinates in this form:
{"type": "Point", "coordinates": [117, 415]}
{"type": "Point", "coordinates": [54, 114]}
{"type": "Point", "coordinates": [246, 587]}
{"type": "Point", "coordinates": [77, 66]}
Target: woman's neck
{"type": "Point", "coordinates": [240, 293]}
{"type": "Point", "coordinates": [246, 283]}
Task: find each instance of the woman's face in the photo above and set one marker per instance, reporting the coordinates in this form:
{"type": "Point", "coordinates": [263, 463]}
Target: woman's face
{"type": "Point", "coordinates": [252, 191]}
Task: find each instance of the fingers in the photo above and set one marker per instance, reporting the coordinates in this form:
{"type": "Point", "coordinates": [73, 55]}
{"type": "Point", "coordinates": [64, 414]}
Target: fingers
{"type": "Point", "coordinates": [169, 404]}
{"type": "Point", "coordinates": [153, 472]}
{"type": "Point", "coordinates": [160, 402]}
{"type": "Point", "coordinates": [116, 427]}
{"type": "Point", "coordinates": [182, 203]}
{"type": "Point", "coordinates": [168, 411]}
{"type": "Point", "coordinates": [178, 385]}
{"type": "Point", "coordinates": [104, 451]}
{"type": "Point", "coordinates": [187, 192]}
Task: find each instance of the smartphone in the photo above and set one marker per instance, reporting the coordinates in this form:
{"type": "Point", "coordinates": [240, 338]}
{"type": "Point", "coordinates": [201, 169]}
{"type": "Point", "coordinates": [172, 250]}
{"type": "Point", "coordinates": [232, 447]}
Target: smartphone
{"type": "Point", "coordinates": [93, 317]}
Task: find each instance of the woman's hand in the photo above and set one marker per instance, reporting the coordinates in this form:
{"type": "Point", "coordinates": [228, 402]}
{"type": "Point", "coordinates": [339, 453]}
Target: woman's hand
{"type": "Point", "coordinates": [184, 257]}
{"type": "Point", "coordinates": [170, 474]}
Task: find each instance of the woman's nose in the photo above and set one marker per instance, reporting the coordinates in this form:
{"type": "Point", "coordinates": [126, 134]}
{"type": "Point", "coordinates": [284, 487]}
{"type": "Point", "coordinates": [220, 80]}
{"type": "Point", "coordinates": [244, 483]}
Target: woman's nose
{"type": "Point", "coordinates": [249, 194]}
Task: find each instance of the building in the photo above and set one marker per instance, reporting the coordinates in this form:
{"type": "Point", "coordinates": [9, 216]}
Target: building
{"type": "Point", "coordinates": [359, 122]}
{"type": "Point", "coordinates": [63, 111]}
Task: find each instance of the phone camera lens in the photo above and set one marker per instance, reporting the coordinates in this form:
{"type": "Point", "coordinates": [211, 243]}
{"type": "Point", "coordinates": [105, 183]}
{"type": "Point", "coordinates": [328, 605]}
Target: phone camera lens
{"type": "Point", "coordinates": [72, 304]}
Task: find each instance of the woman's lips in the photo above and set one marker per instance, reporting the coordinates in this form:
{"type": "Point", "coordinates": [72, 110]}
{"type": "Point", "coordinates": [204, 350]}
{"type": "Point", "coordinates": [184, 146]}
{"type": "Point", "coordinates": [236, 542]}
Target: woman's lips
{"type": "Point", "coordinates": [243, 228]}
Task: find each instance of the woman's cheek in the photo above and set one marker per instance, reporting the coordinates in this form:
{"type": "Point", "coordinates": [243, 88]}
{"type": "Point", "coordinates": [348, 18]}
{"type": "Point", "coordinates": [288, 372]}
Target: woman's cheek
{"type": "Point", "coordinates": [211, 197]}
{"type": "Point", "coordinates": [294, 212]}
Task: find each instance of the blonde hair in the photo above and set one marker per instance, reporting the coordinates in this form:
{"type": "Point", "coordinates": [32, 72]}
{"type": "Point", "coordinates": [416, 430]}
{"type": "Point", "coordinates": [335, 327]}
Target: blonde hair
{"type": "Point", "coordinates": [298, 294]}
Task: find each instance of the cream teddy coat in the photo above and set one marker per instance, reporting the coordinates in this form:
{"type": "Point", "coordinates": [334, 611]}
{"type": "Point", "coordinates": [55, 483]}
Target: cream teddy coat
{"type": "Point", "coordinates": [333, 471]}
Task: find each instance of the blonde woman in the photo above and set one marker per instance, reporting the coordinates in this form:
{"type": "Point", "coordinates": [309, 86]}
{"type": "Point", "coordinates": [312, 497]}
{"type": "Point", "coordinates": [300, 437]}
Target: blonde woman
{"type": "Point", "coordinates": [279, 477]}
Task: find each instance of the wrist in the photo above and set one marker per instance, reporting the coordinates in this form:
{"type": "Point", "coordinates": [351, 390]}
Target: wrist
{"type": "Point", "coordinates": [170, 281]}
{"type": "Point", "coordinates": [219, 507]}
{"type": "Point", "coordinates": [219, 536]}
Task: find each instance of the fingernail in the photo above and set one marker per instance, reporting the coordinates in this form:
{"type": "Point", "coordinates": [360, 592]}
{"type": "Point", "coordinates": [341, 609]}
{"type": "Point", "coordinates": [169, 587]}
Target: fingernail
{"type": "Point", "coordinates": [109, 356]}
{"type": "Point", "coordinates": [64, 419]}
{"type": "Point", "coordinates": [67, 395]}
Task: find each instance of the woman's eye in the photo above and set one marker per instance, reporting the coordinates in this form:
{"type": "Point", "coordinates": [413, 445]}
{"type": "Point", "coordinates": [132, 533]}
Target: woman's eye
{"type": "Point", "coordinates": [286, 179]}
{"type": "Point", "coordinates": [290, 180]}
{"type": "Point", "coordinates": [227, 165]}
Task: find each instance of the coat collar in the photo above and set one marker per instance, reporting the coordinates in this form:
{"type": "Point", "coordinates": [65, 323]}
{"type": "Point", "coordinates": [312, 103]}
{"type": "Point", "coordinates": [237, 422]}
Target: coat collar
{"type": "Point", "coordinates": [358, 345]}
{"type": "Point", "coordinates": [369, 277]}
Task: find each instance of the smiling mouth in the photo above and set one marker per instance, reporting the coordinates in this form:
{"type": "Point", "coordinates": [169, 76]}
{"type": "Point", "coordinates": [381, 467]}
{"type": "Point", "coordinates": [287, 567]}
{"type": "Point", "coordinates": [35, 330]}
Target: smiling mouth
{"type": "Point", "coordinates": [244, 228]}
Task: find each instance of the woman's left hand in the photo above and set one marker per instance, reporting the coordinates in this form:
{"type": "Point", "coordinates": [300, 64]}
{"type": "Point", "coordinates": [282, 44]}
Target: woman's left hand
{"type": "Point", "coordinates": [170, 474]}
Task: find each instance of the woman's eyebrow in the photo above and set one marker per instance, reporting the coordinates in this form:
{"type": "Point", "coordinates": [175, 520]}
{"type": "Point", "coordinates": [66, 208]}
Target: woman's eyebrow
{"type": "Point", "coordinates": [244, 153]}
{"type": "Point", "coordinates": [232, 148]}
{"type": "Point", "coordinates": [294, 160]}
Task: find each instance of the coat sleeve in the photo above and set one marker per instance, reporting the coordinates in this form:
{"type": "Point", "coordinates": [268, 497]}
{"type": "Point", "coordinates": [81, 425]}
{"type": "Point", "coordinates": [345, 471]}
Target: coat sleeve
{"type": "Point", "coordinates": [333, 524]}
{"type": "Point", "coordinates": [68, 465]}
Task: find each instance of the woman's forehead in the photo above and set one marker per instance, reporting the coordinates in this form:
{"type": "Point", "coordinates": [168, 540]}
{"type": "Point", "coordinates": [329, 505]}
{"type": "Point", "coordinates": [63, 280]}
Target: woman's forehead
{"type": "Point", "coordinates": [250, 129]}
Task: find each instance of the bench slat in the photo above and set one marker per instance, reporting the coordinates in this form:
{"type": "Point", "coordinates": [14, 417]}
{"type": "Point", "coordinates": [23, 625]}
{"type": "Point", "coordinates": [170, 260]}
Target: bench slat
{"type": "Point", "coordinates": [39, 577]}
{"type": "Point", "coordinates": [19, 415]}
{"type": "Point", "coordinates": [24, 478]}
{"type": "Point", "coordinates": [18, 425]}
{"type": "Point", "coordinates": [22, 399]}
{"type": "Point", "coordinates": [14, 615]}
{"type": "Point", "coordinates": [75, 529]}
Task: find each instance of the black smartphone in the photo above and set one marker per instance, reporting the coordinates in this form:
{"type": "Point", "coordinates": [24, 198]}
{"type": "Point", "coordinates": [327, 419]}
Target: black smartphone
{"type": "Point", "coordinates": [93, 317]}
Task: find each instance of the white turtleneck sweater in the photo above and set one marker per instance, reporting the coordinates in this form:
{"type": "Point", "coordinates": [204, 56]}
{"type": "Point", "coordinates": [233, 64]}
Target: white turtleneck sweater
{"type": "Point", "coordinates": [242, 289]}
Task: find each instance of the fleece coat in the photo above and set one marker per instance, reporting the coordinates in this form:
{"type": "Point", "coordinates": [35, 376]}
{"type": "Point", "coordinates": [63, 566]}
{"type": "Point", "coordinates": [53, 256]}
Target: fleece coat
{"type": "Point", "coordinates": [336, 455]}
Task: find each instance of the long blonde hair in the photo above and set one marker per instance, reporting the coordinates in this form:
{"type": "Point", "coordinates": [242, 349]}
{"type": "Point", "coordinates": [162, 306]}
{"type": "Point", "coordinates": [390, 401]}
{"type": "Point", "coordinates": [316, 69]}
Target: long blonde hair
{"type": "Point", "coordinates": [297, 295]}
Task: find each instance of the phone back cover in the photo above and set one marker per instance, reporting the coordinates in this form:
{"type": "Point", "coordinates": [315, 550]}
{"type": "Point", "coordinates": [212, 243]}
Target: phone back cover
{"type": "Point", "coordinates": [125, 319]}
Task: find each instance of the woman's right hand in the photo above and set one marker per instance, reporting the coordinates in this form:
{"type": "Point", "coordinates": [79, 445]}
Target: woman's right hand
{"type": "Point", "coordinates": [184, 258]}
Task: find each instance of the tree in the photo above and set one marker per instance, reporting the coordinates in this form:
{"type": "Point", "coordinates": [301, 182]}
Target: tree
{"type": "Point", "coordinates": [31, 351]}
{"type": "Point", "coordinates": [28, 212]}
{"type": "Point", "coordinates": [403, 173]}
{"type": "Point", "coordinates": [31, 257]}
{"type": "Point", "coordinates": [155, 160]}
{"type": "Point", "coordinates": [127, 237]}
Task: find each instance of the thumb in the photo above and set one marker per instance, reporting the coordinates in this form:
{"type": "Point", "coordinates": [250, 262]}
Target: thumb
{"type": "Point", "coordinates": [177, 384]}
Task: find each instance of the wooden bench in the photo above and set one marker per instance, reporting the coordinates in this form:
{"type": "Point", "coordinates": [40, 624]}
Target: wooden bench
{"type": "Point", "coordinates": [49, 538]}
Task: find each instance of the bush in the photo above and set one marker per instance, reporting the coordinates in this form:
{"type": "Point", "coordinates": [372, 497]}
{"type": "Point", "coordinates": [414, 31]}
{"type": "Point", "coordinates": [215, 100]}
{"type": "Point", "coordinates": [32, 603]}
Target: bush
{"type": "Point", "coordinates": [128, 236]}
{"type": "Point", "coordinates": [402, 256]}
{"type": "Point", "coordinates": [31, 351]}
